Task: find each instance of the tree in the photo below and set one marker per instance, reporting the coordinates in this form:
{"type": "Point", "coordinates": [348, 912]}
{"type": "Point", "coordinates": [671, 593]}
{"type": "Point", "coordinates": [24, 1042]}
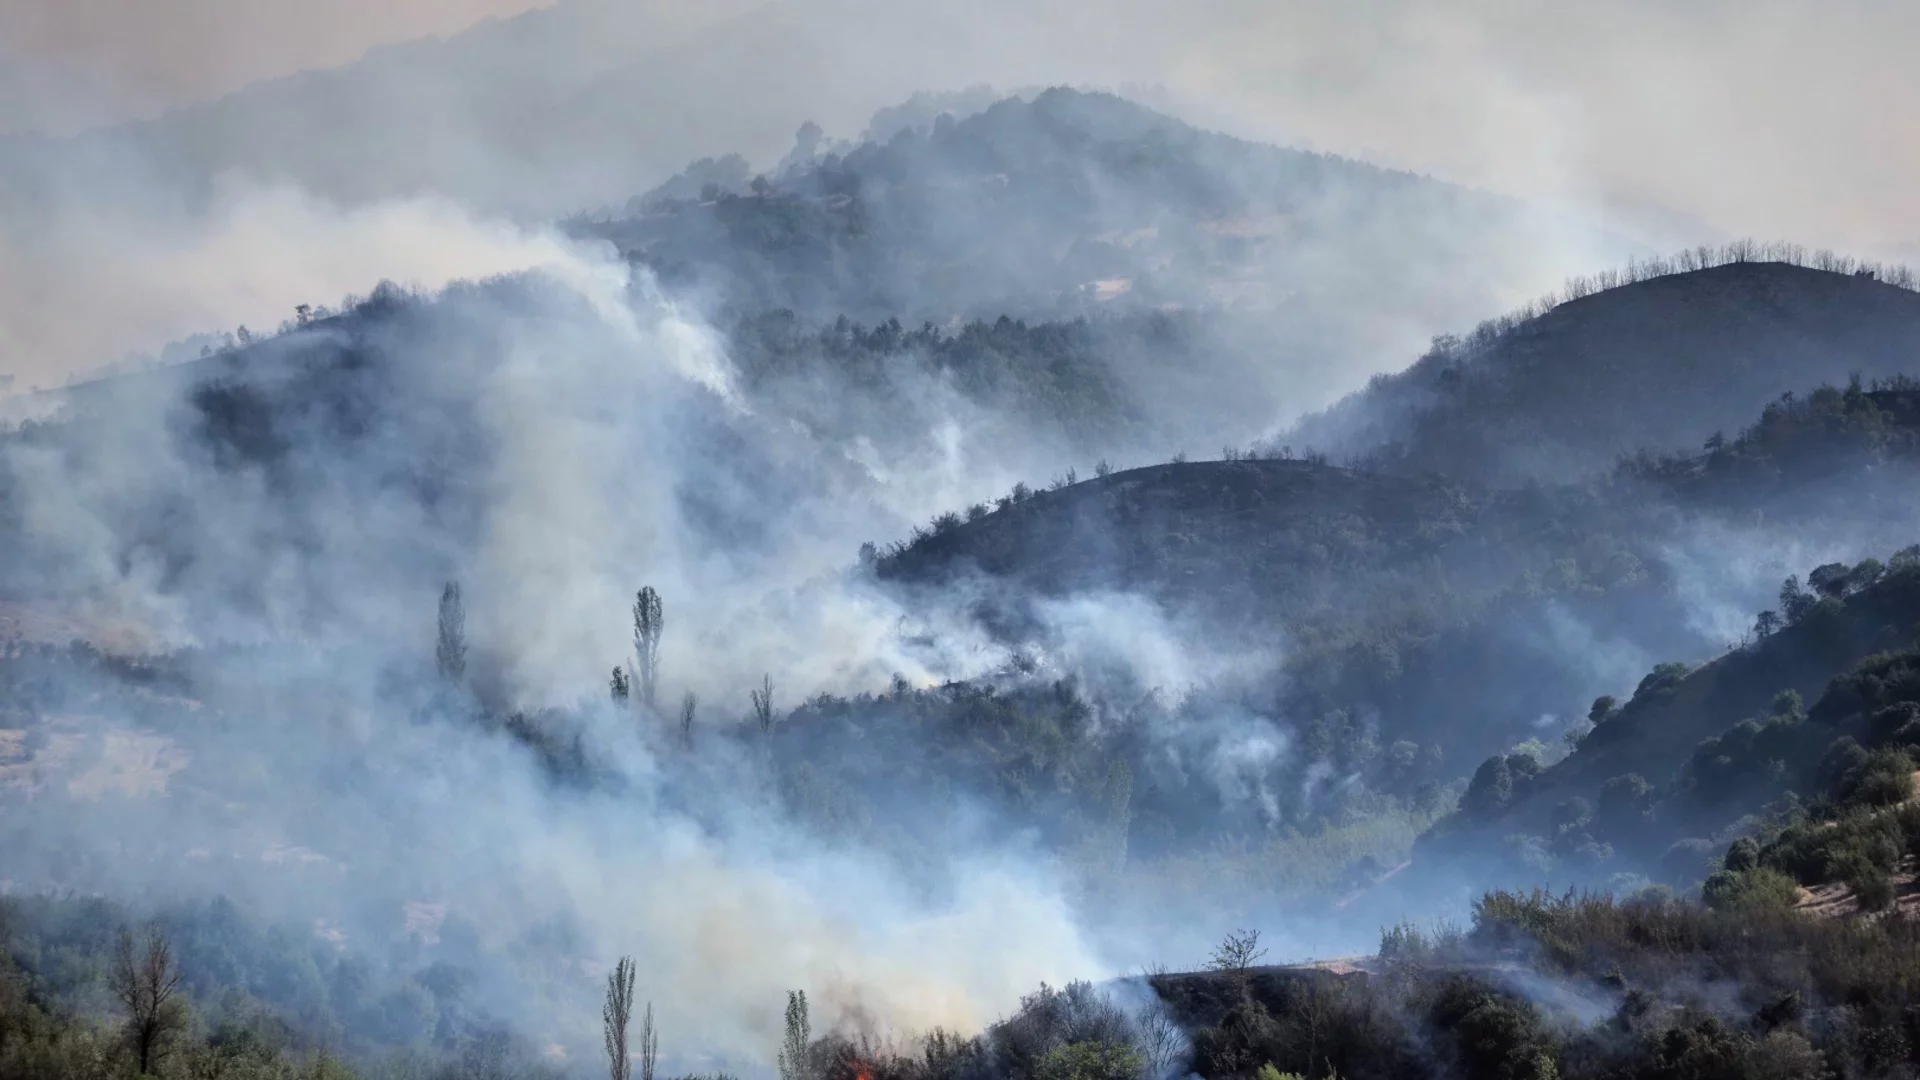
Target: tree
{"type": "Point", "coordinates": [1624, 801]}
{"type": "Point", "coordinates": [451, 650]}
{"type": "Point", "coordinates": [1119, 810]}
{"type": "Point", "coordinates": [648, 621]}
{"type": "Point", "coordinates": [620, 687]}
{"type": "Point", "coordinates": [794, 1057]}
{"type": "Point", "coordinates": [687, 706]}
{"type": "Point", "coordinates": [1766, 624]}
{"type": "Point", "coordinates": [144, 981]}
{"type": "Point", "coordinates": [1794, 601]}
{"type": "Point", "coordinates": [1490, 790]}
{"type": "Point", "coordinates": [1743, 855]}
{"type": "Point", "coordinates": [613, 1019]}
{"type": "Point", "coordinates": [649, 1044]}
{"type": "Point", "coordinates": [763, 705]}
{"type": "Point", "coordinates": [1829, 580]}
{"type": "Point", "coordinates": [1236, 953]}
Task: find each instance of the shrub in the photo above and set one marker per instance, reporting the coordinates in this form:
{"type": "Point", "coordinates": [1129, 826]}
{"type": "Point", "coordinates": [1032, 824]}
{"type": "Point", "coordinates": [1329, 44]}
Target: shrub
{"type": "Point", "coordinates": [1872, 886]}
{"type": "Point", "coordinates": [1091, 1061]}
{"type": "Point", "coordinates": [1884, 779]}
{"type": "Point", "coordinates": [1760, 889]}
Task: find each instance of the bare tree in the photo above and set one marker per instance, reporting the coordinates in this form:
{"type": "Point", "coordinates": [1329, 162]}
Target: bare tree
{"type": "Point", "coordinates": [1162, 1043]}
{"type": "Point", "coordinates": [794, 1057]}
{"type": "Point", "coordinates": [649, 1044]}
{"type": "Point", "coordinates": [451, 650]}
{"type": "Point", "coordinates": [687, 706]}
{"type": "Point", "coordinates": [613, 1018]}
{"type": "Point", "coordinates": [1236, 953]}
{"type": "Point", "coordinates": [144, 981]}
{"type": "Point", "coordinates": [648, 621]}
{"type": "Point", "coordinates": [763, 705]}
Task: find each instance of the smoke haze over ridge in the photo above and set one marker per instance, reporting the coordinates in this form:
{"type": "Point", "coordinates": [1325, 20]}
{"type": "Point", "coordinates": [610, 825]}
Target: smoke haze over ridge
{"type": "Point", "coordinates": [1603, 106]}
{"type": "Point", "coordinates": [537, 414]}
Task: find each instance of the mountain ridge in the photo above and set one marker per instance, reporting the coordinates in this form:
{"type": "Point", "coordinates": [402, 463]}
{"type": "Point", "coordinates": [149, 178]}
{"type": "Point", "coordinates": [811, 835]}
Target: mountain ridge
{"type": "Point", "coordinates": [1657, 365]}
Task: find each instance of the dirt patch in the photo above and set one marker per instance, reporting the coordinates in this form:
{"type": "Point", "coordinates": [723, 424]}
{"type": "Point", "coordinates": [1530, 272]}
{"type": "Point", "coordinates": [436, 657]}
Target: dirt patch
{"type": "Point", "coordinates": [293, 854]}
{"type": "Point", "coordinates": [130, 763]}
{"type": "Point", "coordinates": [41, 623]}
{"type": "Point", "coordinates": [60, 753]}
{"type": "Point", "coordinates": [1342, 965]}
{"type": "Point", "coordinates": [1372, 885]}
{"type": "Point", "coordinates": [424, 919]}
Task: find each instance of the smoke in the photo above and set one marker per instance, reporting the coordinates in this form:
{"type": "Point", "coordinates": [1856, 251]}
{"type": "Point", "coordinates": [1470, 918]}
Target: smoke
{"type": "Point", "coordinates": [537, 420]}
{"type": "Point", "coordinates": [93, 283]}
{"type": "Point", "coordinates": [586, 437]}
{"type": "Point", "coordinates": [1640, 112]}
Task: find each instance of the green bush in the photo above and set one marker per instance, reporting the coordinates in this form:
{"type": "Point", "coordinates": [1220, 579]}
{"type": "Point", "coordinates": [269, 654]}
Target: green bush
{"type": "Point", "coordinates": [1743, 854]}
{"type": "Point", "coordinates": [1872, 886]}
{"type": "Point", "coordinates": [1091, 1061]}
{"type": "Point", "coordinates": [1884, 779]}
{"type": "Point", "coordinates": [1759, 889]}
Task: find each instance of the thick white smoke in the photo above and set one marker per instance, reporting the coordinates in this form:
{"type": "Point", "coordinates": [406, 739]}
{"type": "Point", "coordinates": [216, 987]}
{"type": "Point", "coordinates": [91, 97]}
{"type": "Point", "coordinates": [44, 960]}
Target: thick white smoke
{"type": "Point", "coordinates": [583, 413]}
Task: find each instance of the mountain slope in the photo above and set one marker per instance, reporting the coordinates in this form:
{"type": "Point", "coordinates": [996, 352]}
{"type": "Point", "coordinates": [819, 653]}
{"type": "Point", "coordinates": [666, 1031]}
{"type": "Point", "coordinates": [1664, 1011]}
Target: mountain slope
{"type": "Point", "coordinates": [1070, 200]}
{"type": "Point", "coordinates": [1657, 365]}
{"type": "Point", "coordinates": [1696, 759]}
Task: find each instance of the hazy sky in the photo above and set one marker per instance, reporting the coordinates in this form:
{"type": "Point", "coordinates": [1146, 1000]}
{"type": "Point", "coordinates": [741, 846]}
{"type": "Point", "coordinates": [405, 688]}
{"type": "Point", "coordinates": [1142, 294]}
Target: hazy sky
{"type": "Point", "coordinates": [1753, 116]}
{"type": "Point", "coordinates": [70, 63]}
{"type": "Point", "coordinates": [1672, 121]}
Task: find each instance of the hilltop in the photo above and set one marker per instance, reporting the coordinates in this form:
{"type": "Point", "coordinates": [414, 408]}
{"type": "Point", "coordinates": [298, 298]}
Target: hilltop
{"type": "Point", "coordinates": [1067, 201]}
{"type": "Point", "coordinates": [1656, 365]}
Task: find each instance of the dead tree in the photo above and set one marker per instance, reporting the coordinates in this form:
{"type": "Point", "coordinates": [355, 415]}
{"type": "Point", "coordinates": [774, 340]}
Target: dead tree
{"type": "Point", "coordinates": [649, 1044]}
{"type": "Point", "coordinates": [614, 1016]}
{"type": "Point", "coordinates": [763, 705]}
{"type": "Point", "coordinates": [687, 706]}
{"type": "Point", "coordinates": [451, 650]}
{"type": "Point", "coordinates": [648, 621]}
{"type": "Point", "coordinates": [1235, 956]}
{"type": "Point", "coordinates": [144, 981]}
{"type": "Point", "coordinates": [1236, 952]}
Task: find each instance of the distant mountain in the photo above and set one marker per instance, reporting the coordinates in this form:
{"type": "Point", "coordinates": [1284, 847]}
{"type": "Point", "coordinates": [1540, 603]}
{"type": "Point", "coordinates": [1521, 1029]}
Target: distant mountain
{"type": "Point", "coordinates": [1067, 202]}
{"type": "Point", "coordinates": [502, 116]}
{"type": "Point", "coordinates": [1657, 365]}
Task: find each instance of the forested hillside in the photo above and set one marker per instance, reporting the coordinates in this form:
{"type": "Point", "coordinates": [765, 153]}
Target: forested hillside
{"type": "Point", "coordinates": [1694, 349]}
{"type": "Point", "coordinates": [906, 579]}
